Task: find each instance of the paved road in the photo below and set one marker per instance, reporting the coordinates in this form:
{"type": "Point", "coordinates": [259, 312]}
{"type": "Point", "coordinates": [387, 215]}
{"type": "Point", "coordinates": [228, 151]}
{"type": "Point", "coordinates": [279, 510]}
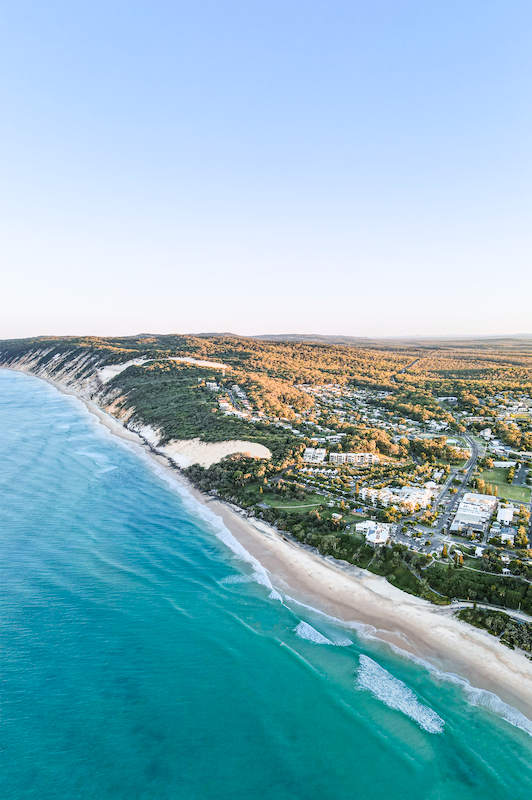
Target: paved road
{"type": "Point", "coordinates": [456, 499]}
{"type": "Point", "coordinates": [520, 475]}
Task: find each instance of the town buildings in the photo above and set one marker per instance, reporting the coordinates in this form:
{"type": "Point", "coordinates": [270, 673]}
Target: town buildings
{"type": "Point", "coordinates": [354, 458]}
{"type": "Point", "coordinates": [376, 533]}
{"type": "Point", "coordinates": [314, 455]}
{"type": "Point", "coordinates": [474, 512]}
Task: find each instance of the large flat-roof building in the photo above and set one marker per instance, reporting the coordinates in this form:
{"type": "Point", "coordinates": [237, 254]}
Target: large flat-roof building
{"type": "Point", "coordinates": [474, 511]}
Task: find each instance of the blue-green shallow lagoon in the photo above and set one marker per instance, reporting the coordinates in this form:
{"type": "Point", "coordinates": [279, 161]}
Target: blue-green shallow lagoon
{"type": "Point", "coordinates": [143, 658]}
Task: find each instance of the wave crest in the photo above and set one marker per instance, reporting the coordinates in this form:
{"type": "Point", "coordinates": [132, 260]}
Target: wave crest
{"type": "Point", "coordinates": [395, 694]}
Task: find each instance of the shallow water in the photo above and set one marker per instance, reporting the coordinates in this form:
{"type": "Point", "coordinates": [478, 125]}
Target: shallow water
{"type": "Point", "coordinates": [145, 655]}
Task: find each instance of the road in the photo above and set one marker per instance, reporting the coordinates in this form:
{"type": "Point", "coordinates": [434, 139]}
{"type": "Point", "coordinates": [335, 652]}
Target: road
{"type": "Point", "coordinates": [456, 499]}
{"type": "Point", "coordinates": [520, 475]}
{"type": "Point", "coordinates": [511, 612]}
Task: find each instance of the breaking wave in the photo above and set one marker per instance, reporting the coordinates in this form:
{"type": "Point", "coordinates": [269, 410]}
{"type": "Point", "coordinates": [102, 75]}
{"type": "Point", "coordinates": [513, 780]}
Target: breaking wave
{"type": "Point", "coordinates": [480, 698]}
{"type": "Point", "coordinates": [306, 631]}
{"type": "Point", "coordinates": [395, 694]}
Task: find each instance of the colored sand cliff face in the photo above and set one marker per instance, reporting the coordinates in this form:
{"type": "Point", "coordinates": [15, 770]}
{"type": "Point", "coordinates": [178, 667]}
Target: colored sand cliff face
{"type": "Point", "coordinates": [145, 653]}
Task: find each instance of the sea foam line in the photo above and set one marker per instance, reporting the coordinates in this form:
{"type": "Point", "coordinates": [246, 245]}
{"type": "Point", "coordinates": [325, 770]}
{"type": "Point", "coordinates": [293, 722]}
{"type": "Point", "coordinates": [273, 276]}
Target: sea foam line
{"type": "Point", "coordinates": [480, 698]}
{"type": "Point", "coordinates": [306, 631]}
{"type": "Point", "coordinates": [396, 694]}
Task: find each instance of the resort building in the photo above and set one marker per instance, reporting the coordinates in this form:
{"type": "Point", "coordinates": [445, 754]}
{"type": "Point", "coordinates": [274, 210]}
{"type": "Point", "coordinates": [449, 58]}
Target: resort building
{"type": "Point", "coordinates": [354, 458]}
{"type": "Point", "coordinates": [376, 533]}
{"type": "Point", "coordinates": [314, 455]}
{"type": "Point", "coordinates": [413, 496]}
{"type": "Point", "coordinates": [408, 498]}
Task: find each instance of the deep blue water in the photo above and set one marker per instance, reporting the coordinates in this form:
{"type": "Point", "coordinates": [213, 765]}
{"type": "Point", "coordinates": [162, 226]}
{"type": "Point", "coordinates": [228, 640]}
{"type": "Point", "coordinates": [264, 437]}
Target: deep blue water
{"type": "Point", "coordinates": [143, 658]}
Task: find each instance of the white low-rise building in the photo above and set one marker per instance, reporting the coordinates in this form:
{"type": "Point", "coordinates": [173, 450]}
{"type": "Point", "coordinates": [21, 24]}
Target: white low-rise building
{"type": "Point", "coordinates": [408, 497]}
{"type": "Point", "coordinates": [505, 515]}
{"type": "Point", "coordinates": [474, 511]}
{"type": "Point", "coordinates": [415, 497]}
{"type": "Point", "coordinates": [354, 458]}
{"type": "Point", "coordinates": [314, 455]}
{"type": "Point", "coordinates": [376, 533]}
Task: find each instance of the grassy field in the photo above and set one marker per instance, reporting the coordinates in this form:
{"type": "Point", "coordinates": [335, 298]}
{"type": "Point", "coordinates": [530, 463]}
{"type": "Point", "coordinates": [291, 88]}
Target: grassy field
{"type": "Point", "coordinates": [498, 477]}
{"type": "Point", "coordinates": [312, 500]}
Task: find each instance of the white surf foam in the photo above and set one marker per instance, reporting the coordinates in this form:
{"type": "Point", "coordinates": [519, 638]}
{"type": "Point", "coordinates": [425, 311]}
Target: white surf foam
{"type": "Point", "coordinates": [306, 631]}
{"type": "Point", "coordinates": [481, 698]}
{"type": "Point", "coordinates": [362, 629]}
{"type": "Point", "coordinates": [395, 694]}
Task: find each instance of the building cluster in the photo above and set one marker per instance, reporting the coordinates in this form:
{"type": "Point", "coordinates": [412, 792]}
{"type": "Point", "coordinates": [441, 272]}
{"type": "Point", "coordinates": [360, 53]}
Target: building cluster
{"type": "Point", "coordinates": [474, 512]}
{"type": "Point", "coordinates": [376, 533]}
{"type": "Point", "coordinates": [408, 497]}
{"type": "Point", "coordinates": [502, 528]}
{"type": "Point", "coordinates": [359, 459]}
{"type": "Point", "coordinates": [317, 455]}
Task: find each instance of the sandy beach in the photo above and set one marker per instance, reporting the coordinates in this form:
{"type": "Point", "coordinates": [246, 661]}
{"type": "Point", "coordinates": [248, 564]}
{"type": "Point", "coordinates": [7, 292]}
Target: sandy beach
{"type": "Point", "coordinates": [353, 595]}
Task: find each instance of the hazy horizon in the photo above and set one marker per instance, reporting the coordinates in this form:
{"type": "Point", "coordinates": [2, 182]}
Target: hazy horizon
{"type": "Point", "coordinates": [349, 167]}
{"type": "Point", "coordinates": [392, 337]}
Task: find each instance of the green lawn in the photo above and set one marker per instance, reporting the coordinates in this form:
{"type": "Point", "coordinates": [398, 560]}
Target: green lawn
{"type": "Point", "coordinates": [310, 502]}
{"type": "Point", "coordinates": [498, 477]}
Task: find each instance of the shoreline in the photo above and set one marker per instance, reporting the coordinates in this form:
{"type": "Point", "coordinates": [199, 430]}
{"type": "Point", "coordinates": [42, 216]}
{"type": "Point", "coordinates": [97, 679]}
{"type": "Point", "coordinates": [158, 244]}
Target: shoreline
{"type": "Point", "coordinates": [354, 596]}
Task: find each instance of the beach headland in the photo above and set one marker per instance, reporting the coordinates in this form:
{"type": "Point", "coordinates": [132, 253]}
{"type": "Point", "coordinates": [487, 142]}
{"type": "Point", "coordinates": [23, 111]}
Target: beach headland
{"type": "Point", "coordinates": [357, 597]}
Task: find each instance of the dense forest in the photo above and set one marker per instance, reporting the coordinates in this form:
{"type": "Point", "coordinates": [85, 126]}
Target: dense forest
{"type": "Point", "coordinates": [272, 371]}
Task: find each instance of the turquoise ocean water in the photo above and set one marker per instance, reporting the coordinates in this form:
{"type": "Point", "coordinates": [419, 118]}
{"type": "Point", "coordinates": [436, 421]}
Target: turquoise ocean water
{"type": "Point", "coordinates": [145, 656]}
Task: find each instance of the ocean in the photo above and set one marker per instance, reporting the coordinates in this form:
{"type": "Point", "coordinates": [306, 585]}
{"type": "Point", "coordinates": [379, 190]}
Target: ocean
{"type": "Point", "coordinates": [146, 655]}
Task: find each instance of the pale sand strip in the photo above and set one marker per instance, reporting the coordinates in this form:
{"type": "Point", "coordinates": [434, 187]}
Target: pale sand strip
{"type": "Point", "coordinates": [354, 595]}
{"type": "Point", "coordinates": [193, 451]}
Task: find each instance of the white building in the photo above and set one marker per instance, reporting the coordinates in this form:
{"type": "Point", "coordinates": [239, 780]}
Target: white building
{"type": "Point", "coordinates": [314, 455]}
{"type": "Point", "coordinates": [376, 533]}
{"type": "Point", "coordinates": [336, 438]}
{"type": "Point", "coordinates": [409, 497]}
{"type": "Point", "coordinates": [353, 458]}
{"type": "Point", "coordinates": [337, 458]}
{"type": "Point", "coordinates": [505, 515]}
{"type": "Point", "coordinates": [508, 535]}
{"type": "Point", "coordinates": [413, 496]}
{"type": "Point", "coordinates": [383, 496]}
{"type": "Point", "coordinates": [486, 501]}
{"type": "Point", "coordinates": [474, 511]}
{"type": "Point", "coordinates": [362, 458]}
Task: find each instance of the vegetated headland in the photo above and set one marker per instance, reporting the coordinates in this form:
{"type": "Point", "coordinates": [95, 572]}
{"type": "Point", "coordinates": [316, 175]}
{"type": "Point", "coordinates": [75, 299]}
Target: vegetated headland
{"type": "Point", "coordinates": [408, 460]}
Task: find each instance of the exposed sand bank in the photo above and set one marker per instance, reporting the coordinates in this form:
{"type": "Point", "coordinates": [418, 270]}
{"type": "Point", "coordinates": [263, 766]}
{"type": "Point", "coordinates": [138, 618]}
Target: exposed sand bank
{"type": "Point", "coordinates": [194, 451]}
{"type": "Point", "coordinates": [354, 595]}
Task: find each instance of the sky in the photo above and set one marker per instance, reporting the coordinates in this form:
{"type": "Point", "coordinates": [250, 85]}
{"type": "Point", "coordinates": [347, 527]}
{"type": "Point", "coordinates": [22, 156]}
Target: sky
{"type": "Point", "coordinates": [276, 166]}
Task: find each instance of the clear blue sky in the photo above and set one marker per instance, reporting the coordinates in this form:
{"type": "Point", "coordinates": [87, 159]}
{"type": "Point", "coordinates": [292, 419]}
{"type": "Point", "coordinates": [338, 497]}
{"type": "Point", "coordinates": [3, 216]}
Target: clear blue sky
{"type": "Point", "coordinates": [358, 167]}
